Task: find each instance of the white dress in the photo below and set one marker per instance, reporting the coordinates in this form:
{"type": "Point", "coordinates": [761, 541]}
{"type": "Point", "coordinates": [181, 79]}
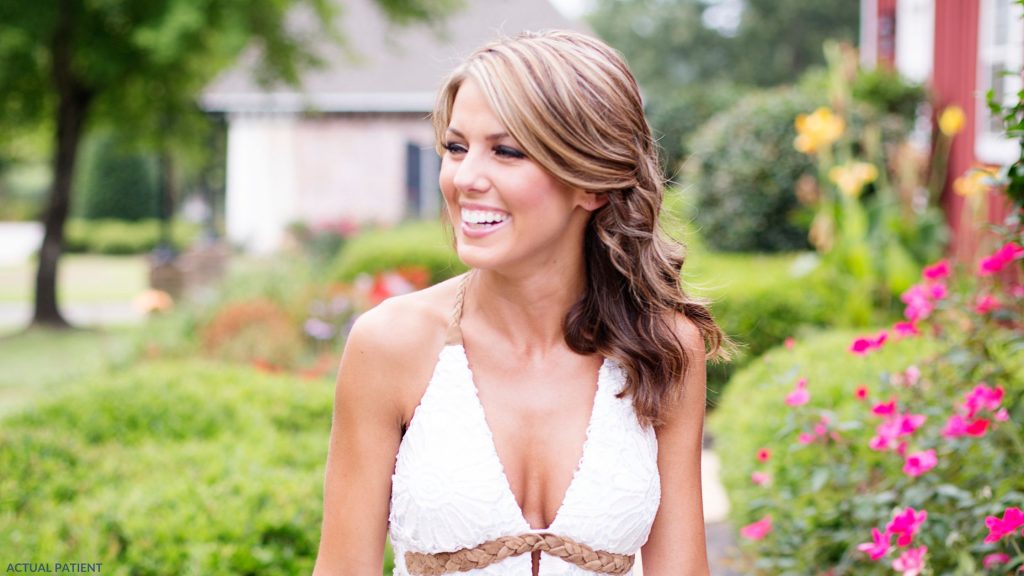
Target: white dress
{"type": "Point", "coordinates": [449, 489]}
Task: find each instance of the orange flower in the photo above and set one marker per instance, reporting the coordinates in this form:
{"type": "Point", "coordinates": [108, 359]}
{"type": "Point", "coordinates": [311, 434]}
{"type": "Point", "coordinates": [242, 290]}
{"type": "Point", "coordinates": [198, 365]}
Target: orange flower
{"type": "Point", "coordinates": [153, 301]}
{"type": "Point", "coordinates": [975, 181]}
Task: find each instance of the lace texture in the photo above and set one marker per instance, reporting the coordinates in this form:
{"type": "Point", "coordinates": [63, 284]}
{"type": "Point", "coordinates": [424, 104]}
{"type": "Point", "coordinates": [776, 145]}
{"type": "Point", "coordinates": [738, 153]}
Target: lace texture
{"type": "Point", "coordinates": [449, 489]}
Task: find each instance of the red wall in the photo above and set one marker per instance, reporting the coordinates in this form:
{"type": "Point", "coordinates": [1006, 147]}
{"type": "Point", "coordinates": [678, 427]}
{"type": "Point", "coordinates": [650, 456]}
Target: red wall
{"type": "Point", "coordinates": [953, 82]}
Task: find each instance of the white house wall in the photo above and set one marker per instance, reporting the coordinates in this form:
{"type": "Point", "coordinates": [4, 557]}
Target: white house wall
{"type": "Point", "coordinates": [260, 180]}
{"type": "Point", "coordinates": [317, 170]}
{"type": "Point", "coordinates": [353, 167]}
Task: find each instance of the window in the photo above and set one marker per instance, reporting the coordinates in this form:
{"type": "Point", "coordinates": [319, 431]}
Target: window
{"type": "Point", "coordinates": [1000, 50]}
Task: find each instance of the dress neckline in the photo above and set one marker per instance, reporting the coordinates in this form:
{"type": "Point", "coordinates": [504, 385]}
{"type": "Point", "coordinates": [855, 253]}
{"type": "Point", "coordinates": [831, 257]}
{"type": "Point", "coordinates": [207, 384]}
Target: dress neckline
{"type": "Point", "coordinates": [454, 340]}
{"type": "Point", "coordinates": [509, 492]}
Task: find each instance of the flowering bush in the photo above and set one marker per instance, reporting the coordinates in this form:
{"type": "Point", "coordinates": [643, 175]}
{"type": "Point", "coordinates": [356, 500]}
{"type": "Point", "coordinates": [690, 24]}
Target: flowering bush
{"type": "Point", "coordinates": [876, 219]}
{"type": "Point", "coordinates": [918, 470]}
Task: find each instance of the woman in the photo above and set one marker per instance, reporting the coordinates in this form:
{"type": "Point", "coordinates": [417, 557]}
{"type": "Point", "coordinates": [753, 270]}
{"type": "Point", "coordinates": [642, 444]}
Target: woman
{"type": "Point", "coordinates": [542, 413]}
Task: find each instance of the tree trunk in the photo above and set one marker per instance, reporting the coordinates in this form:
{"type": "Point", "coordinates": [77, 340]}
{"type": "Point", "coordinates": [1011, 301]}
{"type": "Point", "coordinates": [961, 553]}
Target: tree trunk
{"type": "Point", "coordinates": [72, 107]}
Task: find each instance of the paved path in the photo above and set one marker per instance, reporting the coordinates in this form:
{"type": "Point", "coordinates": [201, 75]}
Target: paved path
{"type": "Point", "coordinates": [14, 316]}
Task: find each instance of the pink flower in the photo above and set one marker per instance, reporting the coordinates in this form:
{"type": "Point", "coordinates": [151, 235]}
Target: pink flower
{"type": "Point", "coordinates": [919, 462]}
{"type": "Point", "coordinates": [1012, 519]}
{"type": "Point", "coordinates": [861, 392]}
{"type": "Point", "coordinates": [864, 345]}
{"type": "Point", "coordinates": [911, 562]}
{"type": "Point", "coordinates": [806, 438]}
{"type": "Point", "coordinates": [884, 409]}
{"type": "Point", "coordinates": [757, 530]}
{"type": "Point", "coordinates": [763, 455]}
{"type": "Point", "coordinates": [993, 560]}
{"type": "Point", "coordinates": [1002, 415]}
{"type": "Point", "coordinates": [905, 525]}
{"type": "Point", "coordinates": [937, 271]}
{"type": "Point", "coordinates": [919, 302]}
{"type": "Point", "coordinates": [997, 261]}
{"type": "Point", "coordinates": [905, 329]}
{"type": "Point", "coordinates": [790, 342]}
{"type": "Point", "coordinates": [983, 397]}
{"type": "Point", "coordinates": [937, 291]}
{"type": "Point", "coordinates": [911, 375]}
{"type": "Point", "coordinates": [821, 428]}
{"type": "Point", "coordinates": [909, 423]}
{"type": "Point", "coordinates": [760, 478]}
{"type": "Point", "coordinates": [978, 427]}
{"type": "Point", "coordinates": [860, 346]}
{"type": "Point", "coordinates": [956, 427]}
{"type": "Point", "coordinates": [800, 395]}
{"type": "Point", "coordinates": [986, 303]}
{"type": "Point", "coordinates": [879, 545]}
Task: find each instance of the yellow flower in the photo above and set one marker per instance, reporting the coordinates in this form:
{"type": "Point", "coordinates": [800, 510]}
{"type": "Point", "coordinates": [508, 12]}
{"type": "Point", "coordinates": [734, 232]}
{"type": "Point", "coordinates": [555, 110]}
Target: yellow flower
{"type": "Point", "coordinates": [951, 121]}
{"type": "Point", "coordinates": [975, 181]}
{"type": "Point", "coordinates": [851, 178]}
{"type": "Point", "coordinates": [817, 130]}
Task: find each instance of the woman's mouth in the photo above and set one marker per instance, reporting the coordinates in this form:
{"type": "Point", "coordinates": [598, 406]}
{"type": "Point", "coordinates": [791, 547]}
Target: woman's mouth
{"type": "Point", "coordinates": [478, 223]}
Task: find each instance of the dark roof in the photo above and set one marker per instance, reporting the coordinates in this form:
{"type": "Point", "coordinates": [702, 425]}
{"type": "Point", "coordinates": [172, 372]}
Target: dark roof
{"type": "Point", "coordinates": [395, 69]}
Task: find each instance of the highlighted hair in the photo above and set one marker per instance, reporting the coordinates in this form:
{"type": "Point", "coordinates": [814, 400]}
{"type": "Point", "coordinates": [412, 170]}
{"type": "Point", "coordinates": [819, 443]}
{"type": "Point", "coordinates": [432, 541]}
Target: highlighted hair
{"type": "Point", "coordinates": [570, 101]}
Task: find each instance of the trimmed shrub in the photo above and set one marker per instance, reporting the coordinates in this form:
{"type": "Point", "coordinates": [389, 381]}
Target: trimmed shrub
{"type": "Point", "coordinates": [117, 183]}
{"type": "Point", "coordinates": [762, 299]}
{"type": "Point", "coordinates": [414, 244]}
{"type": "Point", "coordinates": [170, 468]}
{"type": "Point", "coordinates": [124, 237]}
{"type": "Point", "coordinates": [744, 171]}
{"type": "Point", "coordinates": [753, 415]}
{"type": "Point", "coordinates": [913, 432]}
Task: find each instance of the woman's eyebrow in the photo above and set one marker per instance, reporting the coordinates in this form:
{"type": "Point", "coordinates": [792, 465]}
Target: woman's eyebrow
{"type": "Point", "coordinates": [495, 136]}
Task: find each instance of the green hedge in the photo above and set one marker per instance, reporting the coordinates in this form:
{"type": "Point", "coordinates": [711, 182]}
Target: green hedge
{"type": "Point", "coordinates": [744, 171]}
{"type": "Point", "coordinates": [116, 182]}
{"type": "Point", "coordinates": [420, 243]}
{"type": "Point", "coordinates": [170, 468]}
{"type": "Point", "coordinates": [124, 237]}
{"type": "Point", "coordinates": [752, 414]}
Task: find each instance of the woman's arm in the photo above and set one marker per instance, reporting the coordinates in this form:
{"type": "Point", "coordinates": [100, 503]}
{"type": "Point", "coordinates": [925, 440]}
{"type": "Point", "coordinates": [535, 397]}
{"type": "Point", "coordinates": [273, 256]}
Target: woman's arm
{"type": "Point", "coordinates": [677, 545]}
{"type": "Point", "coordinates": [365, 434]}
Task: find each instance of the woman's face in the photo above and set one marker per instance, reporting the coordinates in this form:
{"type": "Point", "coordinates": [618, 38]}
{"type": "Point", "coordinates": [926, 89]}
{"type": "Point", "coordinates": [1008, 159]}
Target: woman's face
{"type": "Point", "coordinates": [507, 210]}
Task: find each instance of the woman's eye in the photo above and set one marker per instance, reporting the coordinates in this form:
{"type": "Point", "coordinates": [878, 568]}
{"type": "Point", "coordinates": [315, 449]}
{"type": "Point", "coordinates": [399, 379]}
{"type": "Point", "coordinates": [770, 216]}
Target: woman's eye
{"type": "Point", "coordinates": [454, 148]}
{"type": "Point", "coordinates": [509, 152]}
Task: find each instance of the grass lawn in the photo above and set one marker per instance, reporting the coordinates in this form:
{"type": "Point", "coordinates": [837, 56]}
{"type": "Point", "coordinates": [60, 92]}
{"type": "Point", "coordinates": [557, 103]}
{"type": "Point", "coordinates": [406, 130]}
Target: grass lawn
{"type": "Point", "coordinates": [40, 362]}
{"type": "Point", "coordinates": [719, 275]}
{"type": "Point", "coordinates": [81, 278]}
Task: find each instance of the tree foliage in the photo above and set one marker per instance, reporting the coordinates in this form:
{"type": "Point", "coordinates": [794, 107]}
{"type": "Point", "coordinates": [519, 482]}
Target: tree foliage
{"type": "Point", "coordinates": [690, 70]}
{"type": "Point", "coordinates": [140, 66]}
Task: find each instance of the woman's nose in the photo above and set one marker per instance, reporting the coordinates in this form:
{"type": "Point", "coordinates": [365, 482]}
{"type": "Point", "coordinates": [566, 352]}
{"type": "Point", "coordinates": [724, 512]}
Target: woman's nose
{"type": "Point", "coordinates": [471, 174]}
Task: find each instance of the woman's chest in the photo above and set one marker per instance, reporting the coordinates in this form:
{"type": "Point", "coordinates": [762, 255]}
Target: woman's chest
{"type": "Point", "coordinates": [451, 488]}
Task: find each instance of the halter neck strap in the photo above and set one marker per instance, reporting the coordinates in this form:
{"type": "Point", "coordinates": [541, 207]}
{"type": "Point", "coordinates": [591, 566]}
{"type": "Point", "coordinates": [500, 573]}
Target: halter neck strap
{"type": "Point", "coordinates": [454, 333]}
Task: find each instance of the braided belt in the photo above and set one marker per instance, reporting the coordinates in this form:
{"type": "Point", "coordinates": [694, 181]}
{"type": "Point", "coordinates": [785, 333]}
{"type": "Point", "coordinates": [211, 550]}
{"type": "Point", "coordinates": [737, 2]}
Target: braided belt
{"type": "Point", "coordinates": [421, 564]}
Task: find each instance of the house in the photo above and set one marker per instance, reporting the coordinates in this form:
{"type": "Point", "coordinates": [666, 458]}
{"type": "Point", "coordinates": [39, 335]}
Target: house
{"type": "Point", "coordinates": [354, 143]}
{"type": "Point", "coordinates": [961, 49]}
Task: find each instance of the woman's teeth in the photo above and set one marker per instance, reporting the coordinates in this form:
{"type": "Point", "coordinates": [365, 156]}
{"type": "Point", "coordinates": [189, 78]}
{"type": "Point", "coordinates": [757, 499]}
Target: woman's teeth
{"type": "Point", "coordinates": [483, 217]}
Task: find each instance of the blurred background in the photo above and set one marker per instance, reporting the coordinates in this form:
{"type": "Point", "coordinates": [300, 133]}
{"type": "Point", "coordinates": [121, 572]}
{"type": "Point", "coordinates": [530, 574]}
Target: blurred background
{"type": "Point", "coordinates": [198, 197]}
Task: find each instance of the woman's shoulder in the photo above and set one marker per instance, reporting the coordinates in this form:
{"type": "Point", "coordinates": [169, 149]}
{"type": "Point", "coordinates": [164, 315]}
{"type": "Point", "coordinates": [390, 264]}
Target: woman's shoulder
{"type": "Point", "coordinates": [405, 325]}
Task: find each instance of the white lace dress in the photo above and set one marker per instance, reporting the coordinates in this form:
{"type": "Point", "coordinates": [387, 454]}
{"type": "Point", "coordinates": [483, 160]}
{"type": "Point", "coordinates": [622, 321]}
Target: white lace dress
{"type": "Point", "coordinates": [449, 489]}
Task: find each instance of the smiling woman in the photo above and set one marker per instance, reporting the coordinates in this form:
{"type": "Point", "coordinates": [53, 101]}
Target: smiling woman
{"type": "Point", "coordinates": [542, 413]}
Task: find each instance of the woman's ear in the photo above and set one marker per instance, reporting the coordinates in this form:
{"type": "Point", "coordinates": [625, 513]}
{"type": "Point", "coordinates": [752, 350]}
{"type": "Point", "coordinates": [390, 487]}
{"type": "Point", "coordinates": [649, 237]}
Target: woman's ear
{"type": "Point", "coordinates": [591, 201]}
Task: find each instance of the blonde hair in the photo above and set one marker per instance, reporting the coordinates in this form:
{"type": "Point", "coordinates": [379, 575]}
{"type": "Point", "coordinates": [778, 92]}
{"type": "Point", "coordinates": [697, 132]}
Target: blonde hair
{"type": "Point", "coordinates": [572, 104]}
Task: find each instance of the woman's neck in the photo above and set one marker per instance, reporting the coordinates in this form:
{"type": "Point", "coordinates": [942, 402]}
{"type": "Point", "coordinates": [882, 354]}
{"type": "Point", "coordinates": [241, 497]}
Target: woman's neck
{"type": "Point", "coordinates": [526, 310]}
